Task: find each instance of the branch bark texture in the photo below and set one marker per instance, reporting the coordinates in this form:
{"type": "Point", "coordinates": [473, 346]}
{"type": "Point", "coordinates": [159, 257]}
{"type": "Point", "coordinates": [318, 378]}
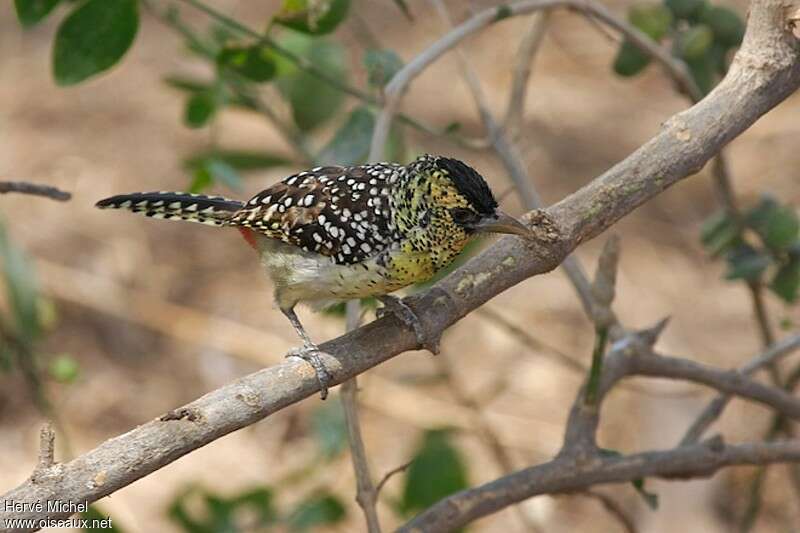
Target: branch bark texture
{"type": "Point", "coordinates": [765, 71]}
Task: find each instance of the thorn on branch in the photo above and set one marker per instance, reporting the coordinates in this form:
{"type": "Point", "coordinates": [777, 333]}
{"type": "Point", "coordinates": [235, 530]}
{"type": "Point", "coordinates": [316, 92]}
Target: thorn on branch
{"type": "Point", "coordinates": [34, 189]}
{"type": "Point", "coordinates": [650, 335]}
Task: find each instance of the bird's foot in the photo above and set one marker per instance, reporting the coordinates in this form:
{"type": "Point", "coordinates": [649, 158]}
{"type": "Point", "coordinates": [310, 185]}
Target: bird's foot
{"type": "Point", "coordinates": [398, 308]}
{"type": "Point", "coordinates": [310, 353]}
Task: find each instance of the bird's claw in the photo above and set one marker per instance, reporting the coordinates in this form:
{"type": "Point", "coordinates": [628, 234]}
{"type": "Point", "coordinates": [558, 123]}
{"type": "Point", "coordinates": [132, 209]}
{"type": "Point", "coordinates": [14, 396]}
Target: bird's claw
{"type": "Point", "coordinates": [396, 306]}
{"type": "Point", "coordinates": [310, 353]}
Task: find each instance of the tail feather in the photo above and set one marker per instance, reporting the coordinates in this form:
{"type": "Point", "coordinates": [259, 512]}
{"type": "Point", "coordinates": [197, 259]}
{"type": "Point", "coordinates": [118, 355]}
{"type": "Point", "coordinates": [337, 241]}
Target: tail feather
{"type": "Point", "coordinates": [211, 210]}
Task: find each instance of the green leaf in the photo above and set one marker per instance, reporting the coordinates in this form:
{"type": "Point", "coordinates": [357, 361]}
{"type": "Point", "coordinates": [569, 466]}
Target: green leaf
{"type": "Point", "coordinates": [786, 281]}
{"type": "Point", "coordinates": [694, 43]}
{"type": "Point", "coordinates": [201, 180]}
{"type": "Point", "coordinates": [64, 369]}
{"type": "Point", "coordinates": [179, 511]}
{"type": "Point", "coordinates": [437, 470]}
{"type": "Point", "coordinates": [330, 429]}
{"type": "Point", "coordinates": [314, 17]}
{"type": "Point", "coordinates": [199, 110]}
{"type": "Point", "coordinates": [778, 225]}
{"type": "Point", "coordinates": [193, 86]}
{"type": "Point", "coordinates": [222, 172]}
{"type": "Point", "coordinates": [350, 144]}
{"type": "Point", "coordinates": [718, 233]}
{"type": "Point", "coordinates": [260, 500]}
{"type": "Point", "coordinates": [21, 288]}
{"type": "Point", "coordinates": [253, 62]}
{"type": "Point", "coordinates": [745, 262]}
{"type": "Point", "coordinates": [653, 19]}
{"type": "Point", "coordinates": [211, 168]}
{"type": "Point", "coordinates": [339, 310]}
{"type": "Point", "coordinates": [381, 66]}
{"type": "Point", "coordinates": [402, 5]}
{"type": "Point", "coordinates": [197, 510]}
{"type": "Point", "coordinates": [319, 509]}
{"type": "Point", "coordinates": [650, 498]}
{"type": "Point", "coordinates": [726, 24]}
{"type": "Point", "coordinates": [103, 523]}
{"type": "Point", "coordinates": [31, 12]}
{"type": "Point", "coordinates": [453, 127]}
{"type": "Point", "coordinates": [241, 160]}
{"type": "Point", "coordinates": [702, 70]}
{"type": "Point", "coordinates": [312, 100]}
{"type": "Point", "coordinates": [630, 60]}
{"type": "Point", "coordinates": [718, 57]}
{"type": "Point", "coordinates": [93, 38]}
{"type": "Point", "coordinates": [685, 9]}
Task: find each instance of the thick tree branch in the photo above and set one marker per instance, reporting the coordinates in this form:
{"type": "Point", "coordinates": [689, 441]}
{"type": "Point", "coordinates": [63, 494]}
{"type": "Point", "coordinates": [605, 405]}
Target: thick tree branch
{"type": "Point", "coordinates": [584, 466]}
{"type": "Point", "coordinates": [765, 71]}
{"type": "Point", "coordinates": [570, 473]}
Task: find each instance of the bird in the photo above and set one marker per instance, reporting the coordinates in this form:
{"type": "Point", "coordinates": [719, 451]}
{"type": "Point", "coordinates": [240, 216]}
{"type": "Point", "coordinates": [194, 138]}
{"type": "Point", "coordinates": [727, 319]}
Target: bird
{"type": "Point", "coordinates": [334, 233]}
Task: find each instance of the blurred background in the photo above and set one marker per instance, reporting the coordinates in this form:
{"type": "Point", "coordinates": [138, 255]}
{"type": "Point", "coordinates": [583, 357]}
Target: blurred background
{"type": "Point", "coordinates": [136, 316]}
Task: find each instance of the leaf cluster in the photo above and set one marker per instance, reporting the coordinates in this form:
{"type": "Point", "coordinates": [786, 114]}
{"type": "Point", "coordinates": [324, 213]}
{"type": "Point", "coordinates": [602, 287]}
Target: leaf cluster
{"type": "Point", "coordinates": [699, 33]}
{"type": "Point", "coordinates": [761, 246]}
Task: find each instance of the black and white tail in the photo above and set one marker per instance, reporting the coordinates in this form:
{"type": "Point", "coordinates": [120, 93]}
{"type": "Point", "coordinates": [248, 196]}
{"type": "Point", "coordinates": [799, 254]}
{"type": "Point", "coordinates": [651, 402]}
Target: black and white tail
{"type": "Point", "coordinates": [211, 210]}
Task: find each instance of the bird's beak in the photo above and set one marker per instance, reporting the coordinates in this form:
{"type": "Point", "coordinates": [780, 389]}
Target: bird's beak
{"type": "Point", "coordinates": [502, 223]}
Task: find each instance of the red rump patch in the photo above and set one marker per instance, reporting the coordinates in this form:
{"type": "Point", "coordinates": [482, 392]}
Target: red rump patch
{"type": "Point", "coordinates": [249, 235]}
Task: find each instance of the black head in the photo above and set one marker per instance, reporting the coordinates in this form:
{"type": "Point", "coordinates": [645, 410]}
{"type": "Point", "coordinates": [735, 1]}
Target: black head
{"type": "Point", "coordinates": [470, 184]}
{"type": "Point", "coordinates": [473, 206]}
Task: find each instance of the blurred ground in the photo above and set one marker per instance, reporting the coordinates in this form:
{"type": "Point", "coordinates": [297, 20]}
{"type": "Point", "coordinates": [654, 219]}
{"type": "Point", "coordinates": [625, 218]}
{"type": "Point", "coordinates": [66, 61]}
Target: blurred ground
{"type": "Point", "coordinates": [122, 132]}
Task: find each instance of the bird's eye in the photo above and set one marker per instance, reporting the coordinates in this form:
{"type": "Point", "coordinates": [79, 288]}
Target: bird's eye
{"type": "Point", "coordinates": [461, 215]}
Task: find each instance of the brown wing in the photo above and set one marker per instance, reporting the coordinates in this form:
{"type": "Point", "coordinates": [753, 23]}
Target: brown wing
{"type": "Point", "coordinates": [339, 212]}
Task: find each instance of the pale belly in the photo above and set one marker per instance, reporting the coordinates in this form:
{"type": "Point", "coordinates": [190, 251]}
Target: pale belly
{"type": "Point", "coordinates": [315, 279]}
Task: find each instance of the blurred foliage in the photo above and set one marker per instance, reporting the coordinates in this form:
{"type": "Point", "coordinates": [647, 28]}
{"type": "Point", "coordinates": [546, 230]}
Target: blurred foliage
{"type": "Point", "coordinates": [381, 65]}
{"type": "Point", "coordinates": [24, 315]}
{"type": "Point", "coordinates": [313, 17]}
{"type": "Point", "coordinates": [762, 247]}
{"type": "Point", "coordinates": [702, 35]}
{"type": "Point", "coordinates": [292, 75]}
{"type": "Point", "coordinates": [31, 12]}
{"type": "Point", "coordinates": [200, 510]}
{"type": "Point", "coordinates": [101, 520]}
{"type": "Point", "coordinates": [330, 429]}
{"type": "Point", "coordinates": [436, 470]}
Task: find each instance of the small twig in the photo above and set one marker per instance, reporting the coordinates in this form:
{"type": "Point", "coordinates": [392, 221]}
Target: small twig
{"type": "Point", "coordinates": [528, 50]}
{"type": "Point", "coordinates": [366, 493]}
{"type": "Point", "coordinates": [47, 447]}
{"type": "Point", "coordinates": [613, 508]}
{"type": "Point", "coordinates": [388, 475]}
{"type": "Point", "coordinates": [34, 189]}
{"type": "Point", "coordinates": [595, 371]}
{"type": "Point", "coordinates": [715, 407]}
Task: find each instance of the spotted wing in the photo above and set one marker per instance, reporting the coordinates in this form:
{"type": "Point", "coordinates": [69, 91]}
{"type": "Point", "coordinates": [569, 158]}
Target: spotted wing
{"type": "Point", "coordinates": [339, 212]}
